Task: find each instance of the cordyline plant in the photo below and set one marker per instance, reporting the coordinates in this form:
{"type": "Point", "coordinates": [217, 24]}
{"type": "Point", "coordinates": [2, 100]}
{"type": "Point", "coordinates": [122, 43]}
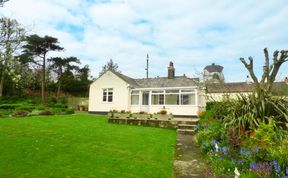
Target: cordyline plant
{"type": "Point", "coordinates": [264, 86]}
{"type": "Point", "coordinates": [249, 111]}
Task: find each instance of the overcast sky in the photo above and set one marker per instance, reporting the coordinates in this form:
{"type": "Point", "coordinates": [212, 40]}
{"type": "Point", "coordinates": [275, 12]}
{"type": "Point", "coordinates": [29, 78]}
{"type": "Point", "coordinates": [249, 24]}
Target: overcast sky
{"type": "Point", "coordinates": [190, 33]}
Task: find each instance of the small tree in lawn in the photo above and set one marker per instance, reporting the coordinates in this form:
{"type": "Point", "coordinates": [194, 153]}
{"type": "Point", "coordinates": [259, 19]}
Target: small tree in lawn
{"type": "Point", "coordinates": [38, 47]}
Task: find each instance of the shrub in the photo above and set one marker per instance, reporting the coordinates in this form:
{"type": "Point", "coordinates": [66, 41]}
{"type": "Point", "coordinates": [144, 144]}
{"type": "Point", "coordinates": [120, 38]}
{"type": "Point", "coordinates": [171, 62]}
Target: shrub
{"type": "Point", "coordinates": [249, 112]}
{"type": "Point", "coordinates": [163, 112]}
{"type": "Point", "coordinates": [6, 112]}
{"type": "Point", "coordinates": [41, 107]}
{"type": "Point", "coordinates": [220, 109]}
{"type": "Point", "coordinates": [60, 105]}
{"type": "Point", "coordinates": [63, 100]}
{"type": "Point", "coordinates": [58, 111]}
{"type": "Point", "coordinates": [26, 108]}
{"type": "Point", "coordinates": [46, 112]}
{"type": "Point", "coordinates": [142, 112]}
{"type": "Point", "coordinates": [21, 113]}
{"type": "Point", "coordinates": [69, 111]}
{"type": "Point", "coordinates": [9, 106]}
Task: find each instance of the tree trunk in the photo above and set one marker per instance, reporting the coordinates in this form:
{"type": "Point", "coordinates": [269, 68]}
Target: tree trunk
{"type": "Point", "coordinates": [43, 80]}
{"type": "Point", "coordinates": [2, 82]}
{"type": "Point", "coordinates": [58, 89]}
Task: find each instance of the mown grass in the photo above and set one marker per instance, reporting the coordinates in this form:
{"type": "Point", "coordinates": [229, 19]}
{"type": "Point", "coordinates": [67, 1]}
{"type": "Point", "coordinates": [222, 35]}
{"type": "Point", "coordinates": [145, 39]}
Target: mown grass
{"type": "Point", "coordinates": [83, 146]}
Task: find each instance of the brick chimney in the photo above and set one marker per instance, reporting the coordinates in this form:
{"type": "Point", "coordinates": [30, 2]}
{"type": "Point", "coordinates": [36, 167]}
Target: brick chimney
{"type": "Point", "coordinates": [171, 71]}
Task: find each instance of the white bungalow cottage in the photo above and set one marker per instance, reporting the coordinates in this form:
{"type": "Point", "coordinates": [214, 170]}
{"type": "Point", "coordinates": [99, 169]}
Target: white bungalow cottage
{"type": "Point", "coordinates": [178, 95]}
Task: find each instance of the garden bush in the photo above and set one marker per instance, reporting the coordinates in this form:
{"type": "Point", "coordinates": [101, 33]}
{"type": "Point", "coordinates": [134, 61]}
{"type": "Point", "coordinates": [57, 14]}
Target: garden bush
{"type": "Point", "coordinates": [162, 112]}
{"type": "Point", "coordinates": [9, 106]}
{"type": "Point", "coordinates": [219, 108]}
{"type": "Point", "coordinates": [41, 107]}
{"type": "Point", "coordinates": [59, 105]}
{"type": "Point", "coordinates": [26, 108]}
{"type": "Point", "coordinates": [46, 112]}
{"type": "Point", "coordinates": [58, 111]}
{"type": "Point", "coordinates": [21, 113]}
{"type": "Point", "coordinates": [6, 112]}
{"type": "Point", "coordinates": [69, 111]}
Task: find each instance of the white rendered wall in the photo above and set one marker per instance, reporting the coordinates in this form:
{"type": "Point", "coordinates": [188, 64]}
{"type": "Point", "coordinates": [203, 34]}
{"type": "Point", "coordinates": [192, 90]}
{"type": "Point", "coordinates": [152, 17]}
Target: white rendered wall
{"type": "Point", "coordinates": [120, 93]}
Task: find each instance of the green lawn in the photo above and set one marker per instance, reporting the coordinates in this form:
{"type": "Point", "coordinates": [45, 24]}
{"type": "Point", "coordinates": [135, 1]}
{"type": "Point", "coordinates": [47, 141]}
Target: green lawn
{"type": "Point", "coordinates": [83, 146]}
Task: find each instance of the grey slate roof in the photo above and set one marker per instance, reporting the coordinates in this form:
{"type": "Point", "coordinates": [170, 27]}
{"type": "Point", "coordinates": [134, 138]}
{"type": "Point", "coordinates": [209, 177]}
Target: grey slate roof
{"type": "Point", "coordinates": [214, 68]}
{"type": "Point", "coordinates": [158, 82]}
{"type": "Point", "coordinates": [229, 87]}
{"type": "Point", "coordinates": [237, 87]}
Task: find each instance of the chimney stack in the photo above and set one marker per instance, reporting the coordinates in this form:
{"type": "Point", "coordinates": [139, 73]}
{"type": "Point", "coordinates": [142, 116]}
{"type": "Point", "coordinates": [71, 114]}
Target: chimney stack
{"type": "Point", "coordinates": [171, 71]}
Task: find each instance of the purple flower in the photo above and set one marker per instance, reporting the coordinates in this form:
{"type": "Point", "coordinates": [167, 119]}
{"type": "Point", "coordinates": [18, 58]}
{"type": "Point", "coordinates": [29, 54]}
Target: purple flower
{"type": "Point", "coordinates": [254, 166]}
{"type": "Point", "coordinates": [245, 152]}
{"type": "Point", "coordinates": [276, 167]}
{"type": "Point", "coordinates": [224, 149]}
{"type": "Point", "coordinates": [240, 161]}
{"type": "Point", "coordinates": [287, 170]}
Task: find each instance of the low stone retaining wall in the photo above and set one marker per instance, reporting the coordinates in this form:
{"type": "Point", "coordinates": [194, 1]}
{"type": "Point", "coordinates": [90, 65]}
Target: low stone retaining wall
{"type": "Point", "coordinates": [145, 122]}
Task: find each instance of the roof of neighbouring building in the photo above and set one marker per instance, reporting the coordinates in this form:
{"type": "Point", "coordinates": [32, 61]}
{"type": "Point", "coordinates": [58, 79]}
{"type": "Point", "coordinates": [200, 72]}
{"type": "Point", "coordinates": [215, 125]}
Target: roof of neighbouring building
{"type": "Point", "coordinates": [214, 68]}
{"type": "Point", "coordinates": [238, 87]}
{"type": "Point", "coordinates": [158, 82]}
{"type": "Point", "coordinates": [229, 87]}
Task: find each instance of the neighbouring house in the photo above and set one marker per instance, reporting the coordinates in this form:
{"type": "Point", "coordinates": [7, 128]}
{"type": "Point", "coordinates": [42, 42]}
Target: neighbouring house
{"type": "Point", "coordinates": [219, 91]}
{"type": "Point", "coordinates": [176, 94]}
{"type": "Point", "coordinates": [179, 95]}
{"type": "Point", "coordinates": [213, 73]}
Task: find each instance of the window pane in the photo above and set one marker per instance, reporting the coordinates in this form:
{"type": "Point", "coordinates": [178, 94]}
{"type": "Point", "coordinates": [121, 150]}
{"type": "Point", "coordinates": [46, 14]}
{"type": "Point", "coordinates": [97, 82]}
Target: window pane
{"type": "Point", "coordinates": [188, 99]}
{"type": "Point", "coordinates": [172, 99]}
{"type": "Point", "coordinates": [110, 98]}
{"type": "Point", "coordinates": [105, 95]}
{"type": "Point", "coordinates": [157, 99]}
{"type": "Point", "coordinates": [135, 99]}
{"type": "Point", "coordinates": [161, 99]}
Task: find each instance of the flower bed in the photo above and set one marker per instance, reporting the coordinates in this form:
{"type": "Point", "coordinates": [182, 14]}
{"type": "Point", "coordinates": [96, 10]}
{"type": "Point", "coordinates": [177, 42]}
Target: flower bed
{"type": "Point", "coordinates": [242, 150]}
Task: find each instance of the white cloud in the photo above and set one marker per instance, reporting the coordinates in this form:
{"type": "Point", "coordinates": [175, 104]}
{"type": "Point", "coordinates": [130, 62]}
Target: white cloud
{"type": "Point", "coordinates": [191, 33]}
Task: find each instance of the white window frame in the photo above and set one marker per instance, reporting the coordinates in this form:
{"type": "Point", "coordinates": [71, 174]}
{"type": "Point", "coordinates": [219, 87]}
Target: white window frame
{"type": "Point", "coordinates": [160, 93]}
{"type": "Point", "coordinates": [105, 97]}
{"type": "Point", "coordinates": [135, 94]}
{"type": "Point", "coordinates": [183, 92]}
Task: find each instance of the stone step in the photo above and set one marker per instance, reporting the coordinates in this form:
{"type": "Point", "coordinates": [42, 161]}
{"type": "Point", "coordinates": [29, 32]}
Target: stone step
{"type": "Point", "coordinates": [186, 126]}
{"type": "Point", "coordinates": [187, 122]}
{"type": "Point", "coordinates": [185, 131]}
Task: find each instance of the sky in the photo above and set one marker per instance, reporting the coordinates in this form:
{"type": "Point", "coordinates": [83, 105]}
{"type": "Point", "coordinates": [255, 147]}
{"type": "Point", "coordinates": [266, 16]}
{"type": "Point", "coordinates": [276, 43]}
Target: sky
{"type": "Point", "coordinates": [192, 34]}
